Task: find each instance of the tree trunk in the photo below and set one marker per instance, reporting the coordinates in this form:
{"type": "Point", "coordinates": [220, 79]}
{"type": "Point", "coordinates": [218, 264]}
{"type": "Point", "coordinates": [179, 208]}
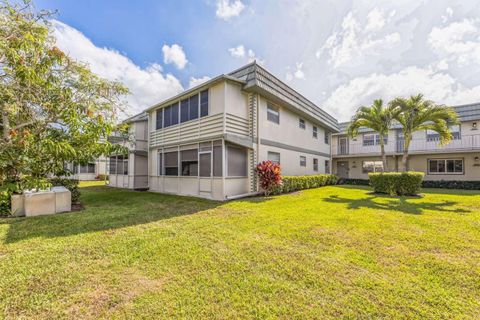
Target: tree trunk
{"type": "Point", "coordinates": [384, 156]}
{"type": "Point", "coordinates": [406, 145]}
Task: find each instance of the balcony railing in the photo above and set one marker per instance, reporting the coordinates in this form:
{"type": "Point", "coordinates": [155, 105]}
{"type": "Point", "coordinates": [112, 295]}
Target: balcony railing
{"type": "Point", "coordinates": [465, 143]}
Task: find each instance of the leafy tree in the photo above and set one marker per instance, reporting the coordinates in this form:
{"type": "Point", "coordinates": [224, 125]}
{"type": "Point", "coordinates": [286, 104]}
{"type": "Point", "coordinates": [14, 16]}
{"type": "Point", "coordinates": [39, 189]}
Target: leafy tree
{"type": "Point", "coordinates": [416, 114]}
{"type": "Point", "coordinates": [53, 109]}
{"type": "Point", "coordinates": [377, 118]}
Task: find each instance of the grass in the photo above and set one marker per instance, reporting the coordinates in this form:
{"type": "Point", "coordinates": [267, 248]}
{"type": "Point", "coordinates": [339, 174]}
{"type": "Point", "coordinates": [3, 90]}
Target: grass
{"type": "Point", "coordinates": [333, 252]}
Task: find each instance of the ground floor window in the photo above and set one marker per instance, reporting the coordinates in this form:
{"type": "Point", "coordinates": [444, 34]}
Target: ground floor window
{"type": "Point", "coordinates": [118, 165]}
{"type": "Point", "coordinates": [274, 157]}
{"type": "Point", "coordinates": [315, 164]}
{"type": "Point", "coordinates": [372, 166]}
{"type": "Point", "coordinates": [327, 166]}
{"type": "Point", "coordinates": [203, 159]}
{"type": "Point", "coordinates": [237, 161]}
{"type": "Point", "coordinates": [189, 160]}
{"type": "Point", "coordinates": [303, 161]}
{"type": "Point", "coordinates": [445, 166]}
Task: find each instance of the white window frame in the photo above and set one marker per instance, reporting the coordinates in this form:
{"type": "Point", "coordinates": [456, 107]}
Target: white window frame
{"type": "Point", "coordinates": [274, 110]}
{"type": "Point", "coordinates": [302, 124]}
{"type": "Point", "coordinates": [315, 132]}
{"type": "Point", "coordinates": [376, 163]}
{"type": "Point", "coordinates": [445, 165]}
{"type": "Point", "coordinates": [303, 161]}
{"type": "Point", "coordinates": [273, 153]}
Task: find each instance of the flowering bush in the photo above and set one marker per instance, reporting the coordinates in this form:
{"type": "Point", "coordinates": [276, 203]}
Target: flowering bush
{"type": "Point", "coordinates": [269, 174]}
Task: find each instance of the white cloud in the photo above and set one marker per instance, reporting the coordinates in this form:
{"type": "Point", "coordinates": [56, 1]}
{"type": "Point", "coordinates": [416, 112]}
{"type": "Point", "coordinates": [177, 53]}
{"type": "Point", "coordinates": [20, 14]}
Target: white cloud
{"type": "Point", "coordinates": [355, 41]}
{"type": "Point", "coordinates": [197, 81]}
{"type": "Point", "coordinates": [147, 85]}
{"type": "Point", "coordinates": [174, 54]}
{"type": "Point", "coordinates": [297, 73]}
{"type": "Point", "coordinates": [375, 20]}
{"type": "Point", "coordinates": [458, 41]}
{"type": "Point", "coordinates": [227, 9]}
{"type": "Point", "coordinates": [237, 52]}
{"type": "Point", "coordinates": [434, 84]}
{"type": "Point", "coordinates": [448, 15]}
{"type": "Point", "coordinates": [240, 52]}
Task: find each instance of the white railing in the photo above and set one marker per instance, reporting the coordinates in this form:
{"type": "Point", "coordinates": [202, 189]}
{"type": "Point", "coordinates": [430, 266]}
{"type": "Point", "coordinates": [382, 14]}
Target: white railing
{"type": "Point", "coordinates": [465, 143]}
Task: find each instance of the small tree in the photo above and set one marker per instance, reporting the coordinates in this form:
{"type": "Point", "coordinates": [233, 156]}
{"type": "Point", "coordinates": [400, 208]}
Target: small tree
{"type": "Point", "coordinates": [377, 118]}
{"type": "Point", "coordinates": [52, 109]}
{"type": "Point", "coordinates": [416, 114]}
{"type": "Point", "coordinates": [269, 175]}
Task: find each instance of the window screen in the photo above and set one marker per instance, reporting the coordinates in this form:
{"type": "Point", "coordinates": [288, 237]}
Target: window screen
{"type": "Point", "coordinates": [113, 165]}
{"type": "Point", "coordinates": [205, 164]}
{"type": "Point", "coordinates": [189, 160]}
{"type": "Point", "coordinates": [160, 164]}
{"type": "Point", "coordinates": [184, 110]}
{"type": "Point", "coordinates": [193, 107]}
{"type": "Point", "coordinates": [174, 114]}
{"type": "Point", "coordinates": [204, 103]}
{"type": "Point", "coordinates": [171, 163]}
{"type": "Point", "coordinates": [217, 161]}
{"type": "Point", "coordinates": [236, 161]}
{"type": "Point", "coordinates": [159, 120]}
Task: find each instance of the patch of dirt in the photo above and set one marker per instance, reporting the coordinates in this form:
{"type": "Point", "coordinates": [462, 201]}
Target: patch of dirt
{"type": "Point", "coordinates": [78, 207]}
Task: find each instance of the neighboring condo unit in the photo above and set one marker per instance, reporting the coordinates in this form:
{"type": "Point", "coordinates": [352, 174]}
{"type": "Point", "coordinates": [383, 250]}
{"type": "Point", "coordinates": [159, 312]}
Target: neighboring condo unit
{"type": "Point", "coordinates": [131, 170]}
{"type": "Point", "coordinates": [207, 140]}
{"type": "Point", "coordinates": [90, 171]}
{"type": "Point", "coordinates": [458, 160]}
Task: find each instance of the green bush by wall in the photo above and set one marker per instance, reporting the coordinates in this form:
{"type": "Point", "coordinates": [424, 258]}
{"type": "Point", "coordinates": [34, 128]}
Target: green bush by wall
{"type": "Point", "coordinates": [295, 183]}
{"type": "Point", "coordinates": [397, 183]}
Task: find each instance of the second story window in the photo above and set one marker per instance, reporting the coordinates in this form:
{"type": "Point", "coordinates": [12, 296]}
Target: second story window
{"type": "Point", "coordinates": [204, 103]}
{"type": "Point", "coordinates": [170, 115]}
{"type": "Point", "coordinates": [327, 138]}
{"type": "Point", "coordinates": [301, 123]}
{"type": "Point", "coordinates": [434, 136]}
{"type": "Point", "coordinates": [303, 161]}
{"type": "Point", "coordinates": [372, 139]}
{"type": "Point", "coordinates": [159, 119]}
{"type": "Point", "coordinates": [315, 132]}
{"type": "Point", "coordinates": [273, 114]}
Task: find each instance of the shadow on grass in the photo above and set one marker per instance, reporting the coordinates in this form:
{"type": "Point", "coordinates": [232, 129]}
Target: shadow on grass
{"type": "Point", "coordinates": [401, 204]}
{"type": "Point", "coordinates": [106, 209]}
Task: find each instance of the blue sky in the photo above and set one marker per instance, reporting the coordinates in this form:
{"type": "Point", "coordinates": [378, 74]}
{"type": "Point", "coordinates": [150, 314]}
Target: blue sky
{"type": "Point", "coordinates": [338, 53]}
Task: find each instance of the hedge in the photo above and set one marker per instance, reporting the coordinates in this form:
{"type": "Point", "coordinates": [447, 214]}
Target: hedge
{"type": "Point", "coordinates": [397, 183]}
{"type": "Point", "coordinates": [295, 183]}
{"type": "Point", "coordinates": [356, 182]}
{"type": "Point", "coordinates": [467, 185]}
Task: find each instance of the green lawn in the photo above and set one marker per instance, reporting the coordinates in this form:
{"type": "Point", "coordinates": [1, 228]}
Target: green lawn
{"type": "Point", "coordinates": [333, 252]}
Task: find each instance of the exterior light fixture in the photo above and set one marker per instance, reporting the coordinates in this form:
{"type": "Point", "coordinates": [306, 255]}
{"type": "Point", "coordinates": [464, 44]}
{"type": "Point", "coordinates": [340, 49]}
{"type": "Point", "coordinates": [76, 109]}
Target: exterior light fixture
{"type": "Point", "coordinates": [474, 126]}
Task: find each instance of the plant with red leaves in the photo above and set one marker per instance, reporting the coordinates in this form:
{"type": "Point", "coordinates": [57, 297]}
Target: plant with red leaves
{"type": "Point", "coordinates": [269, 174]}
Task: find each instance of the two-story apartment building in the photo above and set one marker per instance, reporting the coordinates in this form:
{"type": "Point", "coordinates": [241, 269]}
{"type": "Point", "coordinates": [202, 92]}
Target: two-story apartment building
{"type": "Point", "coordinates": [207, 140]}
{"type": "Point", "coordinates": [131, 170]}
{"type": "Point", "coordinates": [355, 157]}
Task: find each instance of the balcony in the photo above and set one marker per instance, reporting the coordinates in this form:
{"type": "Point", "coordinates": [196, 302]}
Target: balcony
{"type": "Point", "coordinates": [466, 143]}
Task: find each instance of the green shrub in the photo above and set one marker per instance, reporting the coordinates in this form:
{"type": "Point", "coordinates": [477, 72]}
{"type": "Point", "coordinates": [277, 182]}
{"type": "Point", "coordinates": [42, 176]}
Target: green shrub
{"type": "Point", "coordinates": [295, 183]}
{"type": "Point", "coordinates": [397, 183]}
{"type": "Point", "coordinates": [70, 184]}
{"type": "Point", "coordinates": [11, 187]}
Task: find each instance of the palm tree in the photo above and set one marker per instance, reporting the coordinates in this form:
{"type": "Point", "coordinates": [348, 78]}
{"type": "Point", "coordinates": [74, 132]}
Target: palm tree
{"type": "Point", "coordinates": [416, 113]}
{"type": "Point", "coordinates": [377, 118]}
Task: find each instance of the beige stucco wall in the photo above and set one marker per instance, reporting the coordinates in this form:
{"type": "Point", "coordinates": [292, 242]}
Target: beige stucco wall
{"type": "Point", "coordinates": [419, 163]}
{"type": "Point", "coordinates": [288, 131]}
{"type": "Point", "coordinates": [236, 100]}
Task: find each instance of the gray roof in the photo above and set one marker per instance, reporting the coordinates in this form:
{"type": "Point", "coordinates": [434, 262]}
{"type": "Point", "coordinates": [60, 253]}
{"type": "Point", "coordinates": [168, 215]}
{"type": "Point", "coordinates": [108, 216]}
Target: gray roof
{"type": "Point", "coordinates": [466, 112]}
{"type": "Point", "coordinates": [258, 79]}
{"type": "Point", "coordinates": [142, 116]}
